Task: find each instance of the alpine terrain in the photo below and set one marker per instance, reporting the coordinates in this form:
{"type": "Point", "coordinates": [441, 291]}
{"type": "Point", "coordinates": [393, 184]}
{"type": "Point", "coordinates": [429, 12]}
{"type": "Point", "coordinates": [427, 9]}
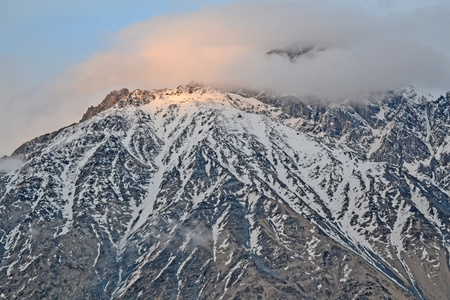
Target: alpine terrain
{"type": "Point", "coordinates": [200, 193]}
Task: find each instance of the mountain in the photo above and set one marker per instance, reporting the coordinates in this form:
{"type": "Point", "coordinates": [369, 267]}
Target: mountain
{"type": "Point", "coordinates": [199, 193]}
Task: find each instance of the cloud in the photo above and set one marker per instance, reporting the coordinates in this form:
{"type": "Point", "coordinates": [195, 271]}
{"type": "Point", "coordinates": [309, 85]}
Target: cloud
{"type": "Point", "coordinates": [8, 164]}
{"type": "Point", "coordinates": [358, 52]}
{"type": "Point", "coordinates": [228, 45]}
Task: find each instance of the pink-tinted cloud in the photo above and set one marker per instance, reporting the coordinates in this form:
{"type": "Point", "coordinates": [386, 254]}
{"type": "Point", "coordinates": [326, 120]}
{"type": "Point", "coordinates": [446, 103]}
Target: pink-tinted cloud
{"type": "Point", "coordinates": [228, 45]}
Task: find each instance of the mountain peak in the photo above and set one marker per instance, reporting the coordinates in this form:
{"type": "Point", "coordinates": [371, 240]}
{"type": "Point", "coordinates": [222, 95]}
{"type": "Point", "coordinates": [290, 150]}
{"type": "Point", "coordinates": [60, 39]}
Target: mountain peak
{"type": "Point", "coordinates": [138, 97]}
{"type": "Point", "coordinates": [110, 100]}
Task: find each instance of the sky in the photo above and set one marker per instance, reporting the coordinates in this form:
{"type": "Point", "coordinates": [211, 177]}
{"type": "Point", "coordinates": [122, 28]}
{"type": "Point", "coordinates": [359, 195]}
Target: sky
{"type": "Point", "coordinates": [59, 57]}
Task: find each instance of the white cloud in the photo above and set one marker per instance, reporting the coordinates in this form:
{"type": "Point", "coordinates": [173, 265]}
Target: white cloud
{"type": "Point", "coordinates": [228, 45]}
{"type": "Point", "coordinates": [8, 164]}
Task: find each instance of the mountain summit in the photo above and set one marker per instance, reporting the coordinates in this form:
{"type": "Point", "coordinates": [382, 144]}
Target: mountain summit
{"type": "Point", "coordinates": [197, 193]}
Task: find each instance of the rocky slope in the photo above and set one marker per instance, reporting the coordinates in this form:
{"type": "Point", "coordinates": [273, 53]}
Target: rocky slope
{"type": "Point", "coordinates": [195, 193]}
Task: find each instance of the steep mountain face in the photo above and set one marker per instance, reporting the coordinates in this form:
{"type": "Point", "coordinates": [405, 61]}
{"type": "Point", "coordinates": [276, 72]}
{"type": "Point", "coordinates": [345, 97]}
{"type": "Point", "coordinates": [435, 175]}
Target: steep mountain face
{"type": "Point", "coordinates": [195, 193]}
{"type": "Point", "coordinates": [403, 127]}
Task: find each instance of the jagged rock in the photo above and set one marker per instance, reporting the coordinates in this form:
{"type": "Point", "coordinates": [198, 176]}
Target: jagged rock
{"type": "Point", "coordinates": [110, 100]}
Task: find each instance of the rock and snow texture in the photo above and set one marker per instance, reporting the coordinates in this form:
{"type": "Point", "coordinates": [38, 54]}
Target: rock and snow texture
{"type": "Point", "coordinates": [194, 193]}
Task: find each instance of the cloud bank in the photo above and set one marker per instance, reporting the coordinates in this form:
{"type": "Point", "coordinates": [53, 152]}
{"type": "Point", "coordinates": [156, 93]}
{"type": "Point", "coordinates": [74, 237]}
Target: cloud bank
{"type": "Point", "coordinates": [228, 45]}
{"type": "Point", "coordinates": [360, 52]}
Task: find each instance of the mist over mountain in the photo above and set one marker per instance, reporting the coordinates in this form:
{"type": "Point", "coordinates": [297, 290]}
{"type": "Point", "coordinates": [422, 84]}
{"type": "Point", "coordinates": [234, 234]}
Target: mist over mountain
{"type": "Point", "coordinates": [202, 193]}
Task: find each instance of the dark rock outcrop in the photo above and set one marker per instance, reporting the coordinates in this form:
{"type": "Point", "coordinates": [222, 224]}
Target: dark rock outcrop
{"type": "Point", "coordinates": [110, 100]}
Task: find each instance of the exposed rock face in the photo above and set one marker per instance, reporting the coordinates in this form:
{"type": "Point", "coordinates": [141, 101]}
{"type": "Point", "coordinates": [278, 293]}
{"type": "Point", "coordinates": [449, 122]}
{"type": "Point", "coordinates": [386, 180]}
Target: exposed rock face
{"type": "Point", "coordinates": [403, 127]}
{"type": "Point", "coordinates": [295, 53]}
{"type": "Point", "coordinates": [195, 193]}
{"type": "Point", "coordinates": [110, 100]}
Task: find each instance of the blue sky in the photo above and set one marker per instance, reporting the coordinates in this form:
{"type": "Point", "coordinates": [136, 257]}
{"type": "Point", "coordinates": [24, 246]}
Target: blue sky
{"type": "Point", "coordinates": [44, 37]}
{"type": "Point", "coordinates": [57, 56]}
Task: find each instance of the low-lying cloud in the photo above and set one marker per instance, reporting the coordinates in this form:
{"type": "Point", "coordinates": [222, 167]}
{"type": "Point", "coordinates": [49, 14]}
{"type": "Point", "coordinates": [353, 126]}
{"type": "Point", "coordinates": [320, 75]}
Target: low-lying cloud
{"type": "Point", "coordinates": [8, 164]}
{"type": "Point", "coordinates": [351, 52]}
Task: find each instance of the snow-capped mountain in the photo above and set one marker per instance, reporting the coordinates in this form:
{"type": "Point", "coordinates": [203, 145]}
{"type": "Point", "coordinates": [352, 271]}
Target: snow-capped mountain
{"type": "Point", "coordinates": [198, 193]}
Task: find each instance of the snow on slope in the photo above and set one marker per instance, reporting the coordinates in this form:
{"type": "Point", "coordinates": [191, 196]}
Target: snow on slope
{"type": "Point", "coordinates": [158, 185]}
